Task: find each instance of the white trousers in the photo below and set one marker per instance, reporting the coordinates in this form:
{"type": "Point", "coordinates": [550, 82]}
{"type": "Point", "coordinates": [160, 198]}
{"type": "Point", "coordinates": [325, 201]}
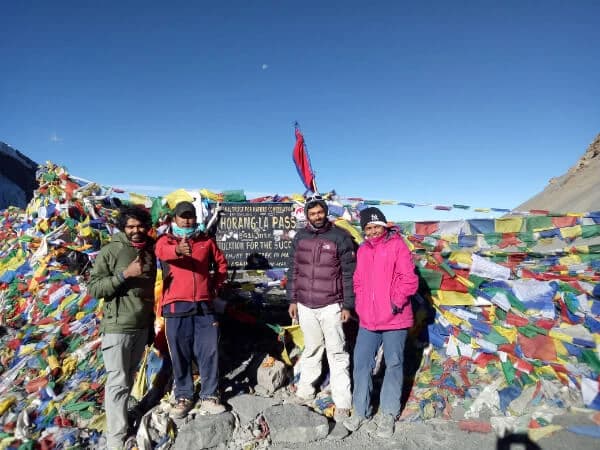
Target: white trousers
{"type": "Point", "coordinates": [322, 329]}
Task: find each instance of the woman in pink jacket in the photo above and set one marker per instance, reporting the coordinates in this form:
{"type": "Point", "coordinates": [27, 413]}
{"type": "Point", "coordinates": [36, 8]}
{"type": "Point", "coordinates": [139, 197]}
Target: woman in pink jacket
{"type": "Point", "coordinates": [384, 280]}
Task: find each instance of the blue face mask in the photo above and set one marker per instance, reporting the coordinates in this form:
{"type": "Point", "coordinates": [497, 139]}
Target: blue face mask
{"type": "Point", "coordinates": [186, 231]}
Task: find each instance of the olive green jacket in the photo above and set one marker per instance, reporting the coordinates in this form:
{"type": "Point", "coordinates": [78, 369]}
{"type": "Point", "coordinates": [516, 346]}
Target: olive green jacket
{"type": "Point", "coordinates": [128, 304]}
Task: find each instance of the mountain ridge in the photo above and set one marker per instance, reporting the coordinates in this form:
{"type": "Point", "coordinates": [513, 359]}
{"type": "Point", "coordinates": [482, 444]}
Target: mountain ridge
{"type": "Point", "coordinates": [577, 190]}
{"type": "Point", "coordinates": [17, 177]}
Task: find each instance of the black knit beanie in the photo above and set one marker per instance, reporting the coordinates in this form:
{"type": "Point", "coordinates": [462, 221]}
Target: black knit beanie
{"type": "Point", "coordinates": [369, 215]}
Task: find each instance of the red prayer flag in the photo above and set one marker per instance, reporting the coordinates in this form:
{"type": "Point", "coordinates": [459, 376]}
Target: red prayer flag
{"type": "Point", "coordinates": [302, 162]}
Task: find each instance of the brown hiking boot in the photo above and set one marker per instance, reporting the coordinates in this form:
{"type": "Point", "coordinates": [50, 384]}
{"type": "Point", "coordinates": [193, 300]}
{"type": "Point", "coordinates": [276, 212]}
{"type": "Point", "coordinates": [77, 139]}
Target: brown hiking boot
{"type": "Point", "coordinates": [181, 408]}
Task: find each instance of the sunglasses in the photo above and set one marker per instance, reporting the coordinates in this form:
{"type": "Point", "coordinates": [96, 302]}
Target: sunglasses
{"type": "Point", "coordinates": [314, 198]}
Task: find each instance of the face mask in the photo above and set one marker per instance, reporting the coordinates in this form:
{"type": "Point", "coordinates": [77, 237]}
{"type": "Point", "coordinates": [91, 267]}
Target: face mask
{"type": "Point", "coordinates": [183, 232]}
{"type": "Point", "coordinates": [138, 245]}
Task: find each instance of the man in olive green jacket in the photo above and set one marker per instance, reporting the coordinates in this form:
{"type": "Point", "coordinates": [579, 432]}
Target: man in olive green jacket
{"type": "Point", "coordinates": [124, 274]}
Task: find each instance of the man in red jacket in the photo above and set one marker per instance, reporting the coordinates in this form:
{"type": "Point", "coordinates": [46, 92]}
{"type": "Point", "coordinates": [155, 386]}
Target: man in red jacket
{"type": "Point", "coordinates": [189, 288]}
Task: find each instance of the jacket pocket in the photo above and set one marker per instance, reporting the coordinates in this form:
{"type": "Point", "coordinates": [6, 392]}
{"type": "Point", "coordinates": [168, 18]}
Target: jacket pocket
{"type": "Point", "coordinates": [110, 311]}
{"type": "Point", "coordinates": [338, 288]}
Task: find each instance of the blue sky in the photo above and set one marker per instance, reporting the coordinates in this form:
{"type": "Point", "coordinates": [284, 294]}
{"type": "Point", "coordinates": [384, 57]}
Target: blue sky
{"type": "Point", "coordinates": [478, 103]}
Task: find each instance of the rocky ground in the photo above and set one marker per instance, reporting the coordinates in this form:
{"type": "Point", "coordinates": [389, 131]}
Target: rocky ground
{"type": "Point", "coordinates": [298, 427]}
{"type": "Point", "coordinates": [260, 414]}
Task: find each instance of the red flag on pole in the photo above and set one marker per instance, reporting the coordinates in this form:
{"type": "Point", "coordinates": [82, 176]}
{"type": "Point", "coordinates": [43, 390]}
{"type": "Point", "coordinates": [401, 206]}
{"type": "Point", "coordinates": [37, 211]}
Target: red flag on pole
{"type": "Point", "coordinates": [302, 162]}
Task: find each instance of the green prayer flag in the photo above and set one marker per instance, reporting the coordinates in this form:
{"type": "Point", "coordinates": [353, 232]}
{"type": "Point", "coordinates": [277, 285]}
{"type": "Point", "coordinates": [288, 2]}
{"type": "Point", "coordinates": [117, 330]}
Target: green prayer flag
{"type": "Point", "coordinates": [589, 357]}
{"type": "Point", "coordinates": [538, 222]}
{"type": "Point", "coordinates": [509, 371]}
{"type": "Point", "coordinates": [588, 231]}
{"type": "Point", "coordinates": [432, 278]}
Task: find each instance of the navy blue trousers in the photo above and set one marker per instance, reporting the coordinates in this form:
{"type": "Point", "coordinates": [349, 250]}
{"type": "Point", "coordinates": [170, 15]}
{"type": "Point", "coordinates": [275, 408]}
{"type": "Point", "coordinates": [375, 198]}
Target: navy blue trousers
{"type": "Point", "coordinates": [194, 338]}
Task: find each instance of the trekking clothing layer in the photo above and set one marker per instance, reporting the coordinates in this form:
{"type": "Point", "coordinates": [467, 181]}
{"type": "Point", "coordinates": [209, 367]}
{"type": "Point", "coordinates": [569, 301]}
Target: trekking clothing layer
{"type": "Point", "coordinates": [322, 329]}
{"type": "Point", "coordinates": [367, 344]}
{"type": "Point", "coordinates": [320, 267]}
{"type": "Point", "coordinates": [128, 304]}
{"type": "Point", "coordinates": [194, 280]}
{"type": "Point", "coordinates": [122, 353]}
{"type": "Point", "coordinates": [384, 280]}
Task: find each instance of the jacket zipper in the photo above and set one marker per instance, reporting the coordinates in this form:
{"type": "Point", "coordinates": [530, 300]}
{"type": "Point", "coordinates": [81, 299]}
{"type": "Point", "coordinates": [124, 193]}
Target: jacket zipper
{"type": "Point", "coordinates": [316, 257]}
{"type": "Point", "coordinates": [193, 272]}
{"type": "Point", "coordinates": [372, 284]}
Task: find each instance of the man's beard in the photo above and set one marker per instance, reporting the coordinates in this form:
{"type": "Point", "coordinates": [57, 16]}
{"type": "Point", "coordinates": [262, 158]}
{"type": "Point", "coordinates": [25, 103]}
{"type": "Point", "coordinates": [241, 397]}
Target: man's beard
{"type": "Point", "coordinates": [318, 223]}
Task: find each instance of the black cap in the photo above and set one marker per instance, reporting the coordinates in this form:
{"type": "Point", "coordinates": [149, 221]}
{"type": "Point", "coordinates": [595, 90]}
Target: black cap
{"type": "Point", "coordinates": [184, 207]}
{"type": "Point", "coordinates": [372, 214]}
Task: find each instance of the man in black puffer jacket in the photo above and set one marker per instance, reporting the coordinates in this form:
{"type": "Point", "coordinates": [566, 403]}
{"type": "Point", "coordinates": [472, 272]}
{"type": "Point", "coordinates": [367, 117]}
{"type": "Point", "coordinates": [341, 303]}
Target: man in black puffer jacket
{"type": "Point", "coordinates": [321, 296]}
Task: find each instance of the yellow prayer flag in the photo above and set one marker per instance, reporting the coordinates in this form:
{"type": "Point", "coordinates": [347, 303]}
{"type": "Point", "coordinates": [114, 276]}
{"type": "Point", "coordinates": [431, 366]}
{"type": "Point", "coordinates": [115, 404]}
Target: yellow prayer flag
{"type": "Point", "coordinates": [508, 224]}
{"type": "Point", "coordinates": [139, 199]}
{"type": "Point", "coordinates": [345, 225]}
{"type": "Point", "coordinates": [571, 232]}
{"type": "Point", "coordinates": [210, 195]}
{"type": "Point", "coordinates": [508, 333]}
{"type": "Point", "coordinates": [43, 225]}
{"type": "Point", "coordinates": [452, 238]}
{"type": "Point", "coordinates": [561, 336]}
{"type": "Point", "coordinates": [465, 281]}
{"type": "Point", "coordinates": [546, 241]}
{"type": "Point", "coordinates": [582, 249]}
{"type": "Point", "coordinates": [180, 195]}
{"type": "Point", "coordinates": [560, 348]}
{"type": "Point", "coordinates": [461, 257]}
{"type": "Point", "coordinates": [6, 403]}
{"type": "Point", "coordinates": [53, 362]}
{"type": "Point", "coordinates": [569, 260]}
{"type": "Point", "coordinates": [535, 434]}
{"type": "Point", "coordinates": [454, 320]}
{"type": "Point", "coordinates": [452, 298]}
{"type": "Point", "coordinates": [298, 198]}
{"type": "Point", "coordinates": [546, 370]}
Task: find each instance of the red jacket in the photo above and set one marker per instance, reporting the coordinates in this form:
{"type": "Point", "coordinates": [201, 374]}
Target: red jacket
{"type": "Point", "coordinates": [384, 280]}
{"type": "Point", "coordinates": [188, 278]}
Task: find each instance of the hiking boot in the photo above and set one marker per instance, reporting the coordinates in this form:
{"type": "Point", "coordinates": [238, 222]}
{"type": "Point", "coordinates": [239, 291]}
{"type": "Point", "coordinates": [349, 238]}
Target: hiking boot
{"type": "Point", "coordinates": [341, 414]}
{"type": "Point", "coordinates": [354, 422]}
{"type": "Point", "coordinates": [181, 408]}
{"type": "Point", "coordinates": [210, 406]}
{"type": "Point", "coordinates": [385, 426]}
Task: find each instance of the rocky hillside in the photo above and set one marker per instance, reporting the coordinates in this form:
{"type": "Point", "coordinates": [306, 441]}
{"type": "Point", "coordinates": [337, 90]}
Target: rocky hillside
{"type": "Point", "coordinates": [578, 190]}
{"type": "Point", "coordinates": [17, 177]}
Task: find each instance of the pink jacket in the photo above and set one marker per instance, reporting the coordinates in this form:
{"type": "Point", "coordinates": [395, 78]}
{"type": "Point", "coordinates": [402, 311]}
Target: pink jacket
{"type": "Point", "coordinates": [383, 282]}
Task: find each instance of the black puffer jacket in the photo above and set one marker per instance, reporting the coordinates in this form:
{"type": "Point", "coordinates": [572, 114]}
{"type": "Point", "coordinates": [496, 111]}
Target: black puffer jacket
{"type": "Point", "coordinates": [321, 266]}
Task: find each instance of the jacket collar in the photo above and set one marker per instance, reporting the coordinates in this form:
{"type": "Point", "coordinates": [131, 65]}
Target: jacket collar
{"type": "Point", "coordinates": [321, 230]}
{"type": "Point", "coordinates": [390, 233]}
